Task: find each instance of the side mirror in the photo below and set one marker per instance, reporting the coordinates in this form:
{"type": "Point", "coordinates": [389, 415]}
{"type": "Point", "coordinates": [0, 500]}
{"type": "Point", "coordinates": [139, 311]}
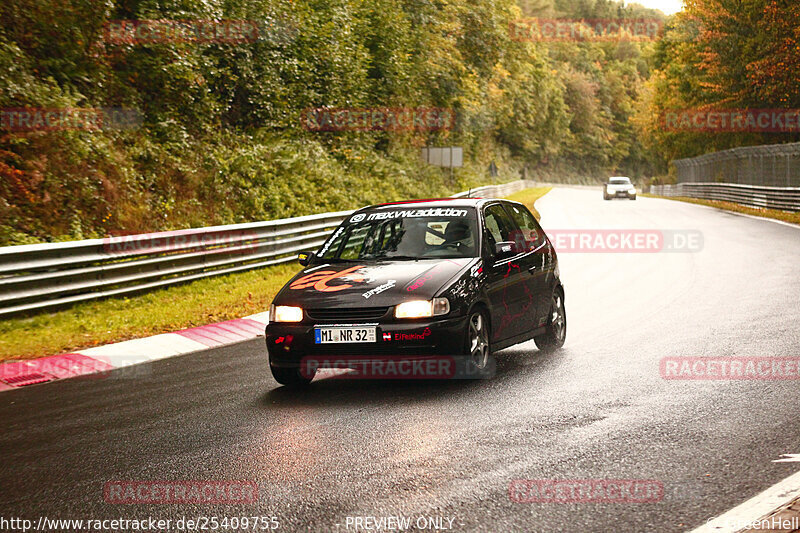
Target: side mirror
{"type": "Point", "coordinates": [504, 249]}
{"type": "Point", "coordinates": [304, 258]}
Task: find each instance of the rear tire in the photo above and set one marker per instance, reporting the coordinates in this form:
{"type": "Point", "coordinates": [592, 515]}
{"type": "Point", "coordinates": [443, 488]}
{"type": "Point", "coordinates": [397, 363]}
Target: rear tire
{"type": "Point", "coordinates": [556, 329]}
{"type": "Point", "coordinates": [291, 377]}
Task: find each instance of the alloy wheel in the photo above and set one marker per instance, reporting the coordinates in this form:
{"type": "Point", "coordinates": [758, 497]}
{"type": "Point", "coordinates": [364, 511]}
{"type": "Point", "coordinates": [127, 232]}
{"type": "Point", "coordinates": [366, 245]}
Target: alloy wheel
{"type": "Point", "coordinates": [478, 341]}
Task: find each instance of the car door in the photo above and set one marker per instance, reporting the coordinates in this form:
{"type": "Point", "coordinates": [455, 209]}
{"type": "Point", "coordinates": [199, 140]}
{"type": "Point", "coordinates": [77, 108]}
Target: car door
{"type": "Point", "coordinates": [540, 260]}
{"type": "Point", "coordinates": [549, 261]}
{"type": "Point", "coordinates": [507, 279]}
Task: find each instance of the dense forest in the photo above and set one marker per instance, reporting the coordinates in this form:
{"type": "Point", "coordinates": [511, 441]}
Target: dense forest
{"type": "Point", "coordinates": [222, 132]}
{"type": "Point", "coordinates": [722, 54]}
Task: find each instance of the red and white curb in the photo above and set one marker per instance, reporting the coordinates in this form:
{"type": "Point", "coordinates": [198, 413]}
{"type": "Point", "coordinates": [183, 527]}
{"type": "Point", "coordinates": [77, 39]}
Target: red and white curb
{"type": "Point", "coordinates": [17, 374]}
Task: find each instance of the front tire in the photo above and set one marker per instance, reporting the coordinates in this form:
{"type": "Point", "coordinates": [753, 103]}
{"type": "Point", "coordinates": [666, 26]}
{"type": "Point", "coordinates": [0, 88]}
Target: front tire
{"type": "Point", "coordinates": [556, 330]}
{"type": "Point", "coordinates": [477, 349]}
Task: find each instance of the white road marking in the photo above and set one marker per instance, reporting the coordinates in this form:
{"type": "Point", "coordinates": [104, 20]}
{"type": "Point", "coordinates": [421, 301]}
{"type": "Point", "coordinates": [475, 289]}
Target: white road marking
{"type": "Point", "coordinates": [746, 215]}
{"type": "Point", "coordinates": [755, 508]}
{"type": "Point", "coordinates": [788, 458]}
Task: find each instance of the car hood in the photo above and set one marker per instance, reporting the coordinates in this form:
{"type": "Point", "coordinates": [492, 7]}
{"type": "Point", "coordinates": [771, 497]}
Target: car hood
{"type": "Point", "coordinates": [369, 284]}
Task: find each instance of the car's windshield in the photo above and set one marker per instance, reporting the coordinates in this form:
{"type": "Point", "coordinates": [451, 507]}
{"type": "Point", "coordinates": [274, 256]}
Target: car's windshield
{"type": "Point", "coordinates": [619, 181]}
{"type": "Point", "coordinates": [404, 239]}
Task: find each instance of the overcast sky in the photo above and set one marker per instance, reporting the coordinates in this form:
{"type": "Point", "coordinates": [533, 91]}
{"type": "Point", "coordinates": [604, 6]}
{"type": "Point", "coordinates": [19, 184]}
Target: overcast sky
{"type": "Point", "coordinates": [667, 6]}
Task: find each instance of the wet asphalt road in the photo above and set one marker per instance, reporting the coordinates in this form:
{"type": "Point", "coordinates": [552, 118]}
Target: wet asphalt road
{"type": "Point", "coordinates": [596, 409]}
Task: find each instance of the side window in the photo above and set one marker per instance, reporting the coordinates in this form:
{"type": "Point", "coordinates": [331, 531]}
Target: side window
{"type": "Point", "coordinates": [499, 225]}
{"type": "Point", "coordinates": [541, 237]}
{"type": "Point", "coordinates": [528, 234]}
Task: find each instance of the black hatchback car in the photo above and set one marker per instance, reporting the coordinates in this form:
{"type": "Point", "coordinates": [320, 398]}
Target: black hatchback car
{"type": "Point", "coordinates": [456, 278]}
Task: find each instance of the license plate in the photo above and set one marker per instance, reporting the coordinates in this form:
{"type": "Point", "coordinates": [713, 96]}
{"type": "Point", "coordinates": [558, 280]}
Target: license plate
{"type": "Point", "coordinates": [344, 334]}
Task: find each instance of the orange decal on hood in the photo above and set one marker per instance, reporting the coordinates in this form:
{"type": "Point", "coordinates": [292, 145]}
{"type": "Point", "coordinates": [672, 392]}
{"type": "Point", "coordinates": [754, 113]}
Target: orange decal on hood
{"type": "Point", "coordinates": [319, 280]}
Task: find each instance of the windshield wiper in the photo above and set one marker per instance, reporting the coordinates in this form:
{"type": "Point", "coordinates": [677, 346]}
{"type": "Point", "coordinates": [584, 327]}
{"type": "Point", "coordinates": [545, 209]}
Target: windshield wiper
{"type": "Point", "coordinates": [396, 257]}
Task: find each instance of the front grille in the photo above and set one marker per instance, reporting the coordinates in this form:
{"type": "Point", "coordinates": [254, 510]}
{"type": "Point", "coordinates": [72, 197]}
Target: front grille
{"type": "Point", "coordinates": [344, 314]}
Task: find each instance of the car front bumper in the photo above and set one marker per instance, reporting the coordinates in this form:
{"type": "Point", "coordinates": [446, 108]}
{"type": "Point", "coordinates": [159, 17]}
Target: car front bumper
{"type": "Point", "coordinates": [289, 344]}
{"type": "Point", "coordinates": [620, 194]}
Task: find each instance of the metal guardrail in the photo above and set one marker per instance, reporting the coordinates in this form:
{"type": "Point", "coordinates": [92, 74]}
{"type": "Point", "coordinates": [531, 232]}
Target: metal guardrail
{"type": "Point", "coordinates": [784, 198]}
{"type": "Point", "coordinates": [496, 191]}
{"type": "Point", "coordinates": [47, 276]}
{"type": "Point", "coordinates": [773, 165]}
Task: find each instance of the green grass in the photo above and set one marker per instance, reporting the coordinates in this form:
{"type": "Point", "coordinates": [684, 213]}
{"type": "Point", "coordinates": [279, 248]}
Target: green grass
{"type": "Point", "coordinates": [786, 216]}
{"type": "Point", "coordinates": [116, 319]}
{"type": "Point", "coordinates": [183, 306]}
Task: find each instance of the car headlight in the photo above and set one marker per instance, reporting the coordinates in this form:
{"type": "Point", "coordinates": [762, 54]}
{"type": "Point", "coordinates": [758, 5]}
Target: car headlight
{"type": "Point", "coordinates": [285, 313]}
{"type": "Point", "coordinates": [422, 308]}
{"type": "Point", "coordinates": [632, 191]}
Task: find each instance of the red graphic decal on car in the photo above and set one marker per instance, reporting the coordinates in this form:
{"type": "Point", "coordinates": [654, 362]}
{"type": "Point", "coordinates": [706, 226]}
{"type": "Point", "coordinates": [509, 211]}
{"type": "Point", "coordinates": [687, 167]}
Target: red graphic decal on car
{"type": "Point", "coordinates": [412, 336]}
{"type": "Point", "coordinates": [426, 276]}
{"type": "Point", "coordinates": [419, 282]}
{"type": "Point", "coordinates": [319, 280]}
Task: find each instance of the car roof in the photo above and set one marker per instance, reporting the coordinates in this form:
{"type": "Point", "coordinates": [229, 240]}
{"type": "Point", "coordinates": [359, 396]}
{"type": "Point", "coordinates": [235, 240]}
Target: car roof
{"type": "Point", "coordinates": [619, 178]}
{"type": "Point", "coordinates": [433, 202]}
